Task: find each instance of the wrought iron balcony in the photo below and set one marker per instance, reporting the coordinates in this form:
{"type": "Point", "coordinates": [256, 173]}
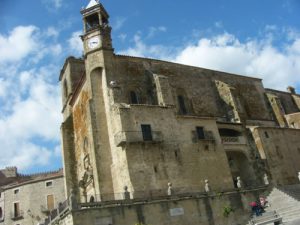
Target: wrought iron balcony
{"type": "Point", "coordinates": [17, 215]}
{"type": "Point", "coordinates": [131, 137]}
{"type": "Point", "coordinates": [44, 209]}
{"type": "Point", "coordinates": [239, 140]}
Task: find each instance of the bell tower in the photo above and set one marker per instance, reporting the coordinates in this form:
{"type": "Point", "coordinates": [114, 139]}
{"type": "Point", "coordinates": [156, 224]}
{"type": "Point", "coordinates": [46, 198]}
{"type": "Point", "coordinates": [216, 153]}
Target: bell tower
{"type": "Point", "coordinates": [97, 31]}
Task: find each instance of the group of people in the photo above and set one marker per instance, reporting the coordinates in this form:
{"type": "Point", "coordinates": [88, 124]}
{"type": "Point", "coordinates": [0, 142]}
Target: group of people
{"type": "Point", "coordinates": [258, 207]}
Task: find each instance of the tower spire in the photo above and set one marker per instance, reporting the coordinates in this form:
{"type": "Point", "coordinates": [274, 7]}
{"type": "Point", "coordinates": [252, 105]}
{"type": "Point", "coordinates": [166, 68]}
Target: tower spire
{"type": "Point", "coordinates": [92, 3]}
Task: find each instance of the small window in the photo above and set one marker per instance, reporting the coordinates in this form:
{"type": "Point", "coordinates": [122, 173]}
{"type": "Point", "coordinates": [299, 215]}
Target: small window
{"type": "Point", "coordinates": [181, 103]}
{"type": "Point", "coordinates": [49, 184]}
{"type": "Point", "coordinates": [200, 133]}
{"type": "Point", "coordinates": [92, 199]}
{"type": "Point", "coordinates": [65, 89]}
{"type": "Point", "coordinates": [17, 212]}
{"type": "Point", "coordinates": [147, 132]}
{"type": "Point", "coordinates": [134, 98]}
{"type": "Point", "coordinates": [266, 134]}
{"type": "Point", "coordinates": [16, 191]}
{"type": "Point", "coordinates": [1, 213]}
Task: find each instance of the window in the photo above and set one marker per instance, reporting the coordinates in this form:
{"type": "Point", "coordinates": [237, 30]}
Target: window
{"type": "Point", "coordinates": [92, 199]}
{"type": "Point", "coordinates": [92, 22]}
{"type": "Point", "coordinates": [50, 202]}
{"type": "Point", "coordinates": [17, 212]}
{"type": "Point", "coordinates": [65, 89]}
{"type": "Point", "coordinates": [49, 184]}
{"type": "Point", "coordinates": [181, 103]}
{"type": "Point", "coordinates": [1, 213]}
{"type": "Point", "coordinates": [16, 191]}
{"type": "Point", "coordinates": [266, 134]}
{"type": "Point", "coordinates": [200, 133]}
{"type": "Point", "coordinates": [146, 131]}
{"type": "Point", "coordinates": [134, 98]}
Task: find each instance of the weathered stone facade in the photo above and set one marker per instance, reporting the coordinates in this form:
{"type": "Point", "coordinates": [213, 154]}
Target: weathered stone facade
{"type": "Point", "coordinates": [28, 199]}
{"type": "Point", "coordinates": [143, 124]}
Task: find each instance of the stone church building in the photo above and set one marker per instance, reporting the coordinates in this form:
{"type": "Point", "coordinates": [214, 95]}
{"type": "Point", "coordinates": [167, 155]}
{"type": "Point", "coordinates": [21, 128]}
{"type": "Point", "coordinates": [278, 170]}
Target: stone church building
{"type": "Point", "coordinates": [154, 142]}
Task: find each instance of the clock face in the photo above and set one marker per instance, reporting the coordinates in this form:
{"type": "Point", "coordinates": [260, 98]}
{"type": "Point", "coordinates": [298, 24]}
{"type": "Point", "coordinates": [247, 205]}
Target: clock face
{"type": "Point", "coordinates": [93, 42]}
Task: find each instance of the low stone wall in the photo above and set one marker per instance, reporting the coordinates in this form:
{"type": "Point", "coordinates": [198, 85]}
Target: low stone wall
{"type": "Point", "coordinates": [228, 208]}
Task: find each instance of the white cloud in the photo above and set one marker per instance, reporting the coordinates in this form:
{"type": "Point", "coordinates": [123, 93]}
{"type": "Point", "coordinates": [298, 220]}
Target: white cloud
{"type": "Point", "coordinates": [53, 4]}
{"type": "Point", "coordinates": [32, 118]}
{"type": "Point", "coordinates": [52, 32]}
{"type": "Point", "coordinates": [75, 44]}
{"type": "Point", "coordinates": [279, 67]}
{"type": "Point", "coordinates": [154, 30]}
{"type": "Point", "coordinates": [119, 22]}
{"type": "Point", "coordinates": [122, 37]}
{"type": "Point", "coordinates": [20, 43]}
{"type": "Point", "coordinates": [30, 98]}
{"type": "Point", "coordinates": [142, 50]}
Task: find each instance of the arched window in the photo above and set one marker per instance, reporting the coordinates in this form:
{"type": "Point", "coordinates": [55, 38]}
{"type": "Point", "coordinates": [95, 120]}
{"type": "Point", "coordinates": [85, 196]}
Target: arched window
{"type": "Point", "coordinates": [181, 104]}
{"type": "Point", "coordinates": [133, 97]}
{"type": "Point", "coordinates": [92, 199]}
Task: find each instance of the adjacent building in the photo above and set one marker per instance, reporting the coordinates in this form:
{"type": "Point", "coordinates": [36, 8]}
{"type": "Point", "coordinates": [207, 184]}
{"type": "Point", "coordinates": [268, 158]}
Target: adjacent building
{"type": "Point", "coordinates": [29, 199]}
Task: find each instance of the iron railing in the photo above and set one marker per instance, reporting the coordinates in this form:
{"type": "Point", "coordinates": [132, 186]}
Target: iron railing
{"type": "Point", "coordinates": [233, 140]}
{"type": "Point", "coordinates": [127, 137]}
{"type": "Point", "coordinates": [17, 215]}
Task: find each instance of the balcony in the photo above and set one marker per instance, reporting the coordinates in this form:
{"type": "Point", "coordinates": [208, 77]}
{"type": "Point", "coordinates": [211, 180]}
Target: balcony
{"type": "Point", "coordinates": [17, 215]}
{"type": "Point", "coordinates": [136, 137]}
{"type": "Point", "coordinates": [239, 140]}
{"type": "Point", "coordinates": [44, 209]}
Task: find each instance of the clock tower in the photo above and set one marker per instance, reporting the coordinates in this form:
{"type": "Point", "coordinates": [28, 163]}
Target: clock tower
{"type": "Point", "coordinates": [97, 31]}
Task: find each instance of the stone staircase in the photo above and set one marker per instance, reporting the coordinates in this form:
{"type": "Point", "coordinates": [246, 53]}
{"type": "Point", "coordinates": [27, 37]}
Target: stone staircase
{"type": "Point", "coordinates": [268, 218]}
{"type": "Point", "coordinates": [285, 200]}
{"type": "Point", "coordinates": [283, 207]}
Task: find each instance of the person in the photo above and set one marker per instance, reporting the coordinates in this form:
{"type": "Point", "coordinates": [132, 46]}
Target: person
{"type": "Point", "coordinates": [255, 208]}
{"type": "Point", "coordinates": [263, 202]}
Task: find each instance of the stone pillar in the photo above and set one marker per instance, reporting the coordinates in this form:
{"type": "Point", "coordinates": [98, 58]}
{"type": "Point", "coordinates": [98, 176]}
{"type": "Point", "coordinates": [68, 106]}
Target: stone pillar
{"type": "Point", "coordinates": [170, 190]}
{"type": "Point", "coordinates": [207, 187]}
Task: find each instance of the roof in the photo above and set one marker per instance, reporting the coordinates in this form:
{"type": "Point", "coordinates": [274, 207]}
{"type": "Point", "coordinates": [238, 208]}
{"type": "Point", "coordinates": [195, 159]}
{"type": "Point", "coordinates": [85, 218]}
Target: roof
{"type": "Point", "coordinates": [92, 3]}
{"type": "Point", "coordinates": [22, 179]}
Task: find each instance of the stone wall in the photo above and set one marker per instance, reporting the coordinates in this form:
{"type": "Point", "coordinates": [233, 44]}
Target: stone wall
{"type": "Point", "coordinates": [196, 209]}
{"type": "Point", "coordinates": [280, 147]}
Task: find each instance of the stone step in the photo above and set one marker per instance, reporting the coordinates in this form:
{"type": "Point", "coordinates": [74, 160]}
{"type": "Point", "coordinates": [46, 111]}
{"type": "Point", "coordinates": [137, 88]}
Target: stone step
{"type": "Point", "coordinates": [283, 208]}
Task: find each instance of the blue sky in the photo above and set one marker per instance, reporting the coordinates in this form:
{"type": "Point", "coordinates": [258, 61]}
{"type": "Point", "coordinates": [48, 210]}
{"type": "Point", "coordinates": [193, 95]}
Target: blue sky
{"type": "Point", "coordinates": [256, 38]}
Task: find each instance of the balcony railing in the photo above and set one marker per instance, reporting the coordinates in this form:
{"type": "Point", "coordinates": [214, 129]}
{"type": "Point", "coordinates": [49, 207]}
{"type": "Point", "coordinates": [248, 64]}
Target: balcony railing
{"type": "Point", "coordinates": [130, 137]}
{"type": "Point", "coordinates": [44, 209]}
{"type": "Point", "coordinates": [239, 140]}
{"type": "Point", "coordinates": [17, 215]}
